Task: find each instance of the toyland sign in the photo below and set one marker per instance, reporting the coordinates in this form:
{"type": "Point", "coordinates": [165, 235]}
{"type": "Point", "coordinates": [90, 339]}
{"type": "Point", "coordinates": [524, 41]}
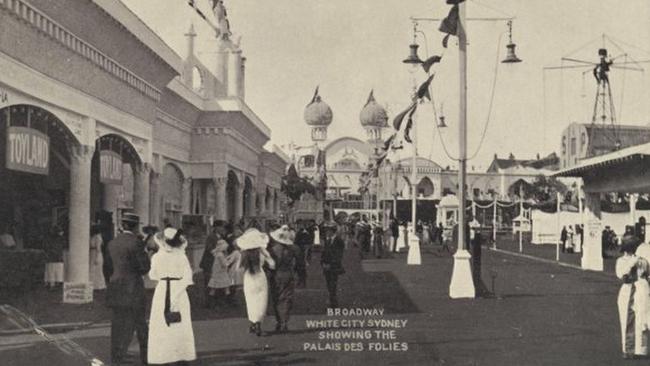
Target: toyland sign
{"type": "Point", "coordinates": [28, 150]}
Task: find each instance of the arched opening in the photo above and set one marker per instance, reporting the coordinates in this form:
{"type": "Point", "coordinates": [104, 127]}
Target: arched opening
{"type": "Point", "coordinates": [232, 185]}
{"type": "Point", "coordinates": [197, 79]}
{"type": "Point", "coordinates": [269, 201]}
{"type": "Point", "coordinates": [425, 187]}
{"type": "Point", "coordinates": [113, 181]}
{"type": "Point", "coordinates": [171, 195]}
{"type": "Point", "coordinates": [34, 173]}
{"type": "Point", "coordinates": [276, 202]}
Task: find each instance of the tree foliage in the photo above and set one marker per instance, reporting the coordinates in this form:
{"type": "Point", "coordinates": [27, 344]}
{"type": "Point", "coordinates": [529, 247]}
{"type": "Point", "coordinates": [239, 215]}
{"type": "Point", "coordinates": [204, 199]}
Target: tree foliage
{"type": "Point", "coordinates": [545, 188]}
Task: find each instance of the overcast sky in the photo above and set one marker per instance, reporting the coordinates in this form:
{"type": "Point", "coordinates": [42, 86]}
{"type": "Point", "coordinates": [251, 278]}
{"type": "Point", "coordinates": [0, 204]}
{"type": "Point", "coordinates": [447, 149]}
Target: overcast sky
{"type": "Point", "coordinates": [350, 47]}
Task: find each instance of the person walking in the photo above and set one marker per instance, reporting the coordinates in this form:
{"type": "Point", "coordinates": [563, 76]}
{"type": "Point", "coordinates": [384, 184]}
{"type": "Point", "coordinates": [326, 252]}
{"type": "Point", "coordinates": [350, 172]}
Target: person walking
{"type": "Point", "coordinates": [207, 259]}
{"type": "Point", "coordinates": [54, 247]}
{"type": "Point", "coordinates": [569, 235]}
{"type": "Point", "coordinates": [332, 261]}
{"type": "Point", "coordinates": [220, 280]}
{"type": "Point", "coordinates": [633, 301]}
{"type": "Point", "coordinates": [256, 290]}
{"type": "Point", "coordinates": [288, 262]}
{"type": "Point", "coordinates": [96, 259]}
{"type": "Point", "coordinates": [126, 262]}
{"type": "Point", "coordinates": [303, 243]}
{"type": "Point", "coordinates": [171, 338]}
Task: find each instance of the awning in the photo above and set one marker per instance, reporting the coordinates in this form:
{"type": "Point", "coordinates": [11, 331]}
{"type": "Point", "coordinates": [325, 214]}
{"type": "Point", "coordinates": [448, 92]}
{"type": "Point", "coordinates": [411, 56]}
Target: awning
{"type": "Point", "coordinates": [638, 152]}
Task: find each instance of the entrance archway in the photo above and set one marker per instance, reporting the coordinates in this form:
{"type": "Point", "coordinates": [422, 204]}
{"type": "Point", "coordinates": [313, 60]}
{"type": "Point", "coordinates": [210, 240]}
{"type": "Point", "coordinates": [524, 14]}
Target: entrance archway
{"type": "Point", "coordinates": [113, 176]}
{"type": "Point", "coordinates": [425, 187]}
{"type": "Point", "coordinates": [171, 195]}
{"type": "Point", "coordinates": [34, 173]}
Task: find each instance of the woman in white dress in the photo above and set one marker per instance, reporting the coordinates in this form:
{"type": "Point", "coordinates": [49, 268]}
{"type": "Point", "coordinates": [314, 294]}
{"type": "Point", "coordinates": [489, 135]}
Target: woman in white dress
{"type": "Point", "coordinates": [96, 259]}
{"type": "Point", "coordinates": [256, 289]}
{"type": "Point", "coordinates": [633, 302]}
{"type": "Point", "coordinates": [171, 341]}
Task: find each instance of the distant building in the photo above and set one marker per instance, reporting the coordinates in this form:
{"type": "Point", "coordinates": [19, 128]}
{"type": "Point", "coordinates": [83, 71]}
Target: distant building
{"type": "Point", "coordinates": [511, 165]}
{"type": "Point", "coordinates": [581, 140]}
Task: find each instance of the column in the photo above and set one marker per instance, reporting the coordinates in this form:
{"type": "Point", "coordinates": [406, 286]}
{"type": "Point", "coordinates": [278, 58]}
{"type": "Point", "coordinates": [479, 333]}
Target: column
{"type": "Point", "coordinates": [262, 196]}
{"type": "Point", "coordinates": [156, 203]}
{"type": "Point", "coordinates": [111, 199]}
{"type": "Point", "coordinates": [592, 257]}
{"type": "Point", "coordinates": [187, 195]}
{"type": "Point", "coordinates": [633, 199]}
{"type": "Point", "coordinates": [239, 202]}
{"type": "Point", "coordinates": [79, 225]}
{"type": "Point", "coordinates": [141, 192]}
{"type": "Point", "coordinates": [252, 197]}
{"type": "Point", "coordinates": [222, 200]}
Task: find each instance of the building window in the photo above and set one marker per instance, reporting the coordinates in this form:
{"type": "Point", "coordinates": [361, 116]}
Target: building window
{"type": "Point", "coordinates": [583, 139]}
{"type": "Point", "coordinates": [477, 192]}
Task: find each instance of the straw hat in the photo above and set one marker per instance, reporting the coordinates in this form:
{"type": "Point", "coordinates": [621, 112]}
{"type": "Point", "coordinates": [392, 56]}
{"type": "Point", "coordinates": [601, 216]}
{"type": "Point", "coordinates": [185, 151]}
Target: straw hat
{"type": "Point", "coordinates": [252, 239]}
{"type": "Point", "coordinates": [282, 235]}
{"type": "Point", "coordinates": [170, 238]}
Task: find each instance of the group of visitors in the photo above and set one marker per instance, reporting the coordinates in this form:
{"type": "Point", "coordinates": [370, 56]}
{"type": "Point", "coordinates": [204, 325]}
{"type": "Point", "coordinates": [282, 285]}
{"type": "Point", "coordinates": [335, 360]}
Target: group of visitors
{"type": "Point", "coordinates": [572, 240]}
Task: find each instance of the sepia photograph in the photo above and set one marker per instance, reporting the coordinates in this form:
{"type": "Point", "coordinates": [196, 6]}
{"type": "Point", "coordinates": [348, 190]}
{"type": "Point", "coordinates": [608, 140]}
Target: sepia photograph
{"type": "Point", "coordinates": [324, 182]}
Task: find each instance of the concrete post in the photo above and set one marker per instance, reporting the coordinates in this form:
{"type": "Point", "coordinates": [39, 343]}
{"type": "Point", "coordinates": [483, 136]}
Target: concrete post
{"type": "Point", "coordinates": [592, 257]}
{"type": "Point", "coordinates": [239, 202]}
{"type": "Point", "coordinates": [222, 200]}
{"type": "Point", "coordinates": [79, 224]}
{"type": "Point", "coordinates": [156, 203]}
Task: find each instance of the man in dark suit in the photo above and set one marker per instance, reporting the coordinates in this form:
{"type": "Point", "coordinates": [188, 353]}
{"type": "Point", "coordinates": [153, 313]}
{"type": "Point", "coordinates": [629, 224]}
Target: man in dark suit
{"type": "Point", "coordinates": [303, 241]}
{"type": "Point", "coordinates": [332, 260]}
{"type": "Point", "coordinates": [126, 263]}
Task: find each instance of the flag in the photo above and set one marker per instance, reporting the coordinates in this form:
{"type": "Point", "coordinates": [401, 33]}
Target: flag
{"type": "Point", "coordinates": [409, 125]}
{"type": "Point", "coordinates": [423, 90]}
{"type": "Point", "coordinates": [192, 3]}
{"type": "Point", "coordinates": [426, 65]}
{"type": "Point", "coordinates": [397, 121]}
{"type": "Point", "coordinates": [389, 142]}
{"type": "Point", "coordinates": [445, 41]}
{"type": "Point", "coordinates": [449, 25]}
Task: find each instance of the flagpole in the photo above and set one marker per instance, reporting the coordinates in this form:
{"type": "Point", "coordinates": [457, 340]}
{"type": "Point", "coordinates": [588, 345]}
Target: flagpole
{"type": "Point", "coordinates": [462, 285]}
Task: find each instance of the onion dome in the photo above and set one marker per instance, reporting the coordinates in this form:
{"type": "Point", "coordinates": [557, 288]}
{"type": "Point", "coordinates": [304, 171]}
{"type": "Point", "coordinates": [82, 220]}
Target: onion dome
{"type": "Point", "coordinates": [372, 114]}
{"type": "Point", "coordinates": [317, 112]}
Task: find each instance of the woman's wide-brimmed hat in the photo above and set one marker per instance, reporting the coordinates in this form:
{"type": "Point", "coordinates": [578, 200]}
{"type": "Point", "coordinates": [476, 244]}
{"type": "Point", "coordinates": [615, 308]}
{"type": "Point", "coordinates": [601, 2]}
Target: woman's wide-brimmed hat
{"type": "Point", "coordinates": [252, 239]}
{"type": "Point", "coordinates": [283, 235]}
{"type": "Point", "coordinates": [170, 238]}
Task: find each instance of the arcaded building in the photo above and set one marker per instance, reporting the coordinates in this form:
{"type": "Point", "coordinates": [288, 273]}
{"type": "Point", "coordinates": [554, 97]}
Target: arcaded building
{"type": "Point", "coordinates": [98, 114]}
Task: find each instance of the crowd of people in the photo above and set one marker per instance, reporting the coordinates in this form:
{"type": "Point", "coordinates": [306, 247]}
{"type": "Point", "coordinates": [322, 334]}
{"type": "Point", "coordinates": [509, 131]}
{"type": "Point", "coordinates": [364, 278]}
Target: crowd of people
{"type": "Point", "coordinates": [263, 264]}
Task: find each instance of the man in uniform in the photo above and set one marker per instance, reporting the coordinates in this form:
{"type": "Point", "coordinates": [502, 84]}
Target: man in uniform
{"type": "Point", "coordinates": [126, 263]}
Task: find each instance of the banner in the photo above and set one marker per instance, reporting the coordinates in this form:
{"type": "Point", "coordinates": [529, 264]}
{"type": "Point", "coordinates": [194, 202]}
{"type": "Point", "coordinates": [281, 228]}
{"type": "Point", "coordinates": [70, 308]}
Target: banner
{"type": "Point", "coordinates": [110, 171]}
{"type": "Point", "coordinates": [28, 150]}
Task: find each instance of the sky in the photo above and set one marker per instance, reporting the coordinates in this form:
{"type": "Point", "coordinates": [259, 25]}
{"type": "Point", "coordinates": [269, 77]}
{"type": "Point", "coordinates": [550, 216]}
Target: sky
{"type": "Point", "coordinates": [351, 47]}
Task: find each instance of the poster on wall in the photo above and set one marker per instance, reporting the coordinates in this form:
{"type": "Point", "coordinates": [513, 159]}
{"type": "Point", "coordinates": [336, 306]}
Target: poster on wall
{"type": "Point", "coordinates": [28, 150]}
{"type": "Point", "coordinates": [110, 171]}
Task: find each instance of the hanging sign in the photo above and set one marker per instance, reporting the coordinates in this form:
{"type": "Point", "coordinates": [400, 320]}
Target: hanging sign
{"type": "Point", "coordinates": [110, 171]}
{"type": "Point", "coordinates": [28, 150]}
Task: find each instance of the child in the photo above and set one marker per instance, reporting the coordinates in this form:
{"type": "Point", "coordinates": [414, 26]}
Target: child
{"type": "Point", "coordinates": [220, 279]}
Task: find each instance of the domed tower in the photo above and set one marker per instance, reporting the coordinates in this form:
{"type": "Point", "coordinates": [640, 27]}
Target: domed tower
{"type": "Point", "coordinates": [318, 115]}
{"type": "Point", "coordinates": [373, 118]}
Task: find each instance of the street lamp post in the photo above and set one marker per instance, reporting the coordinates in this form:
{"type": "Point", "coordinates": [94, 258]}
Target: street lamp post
{"type": "Point", "coordinates": [462, 285]}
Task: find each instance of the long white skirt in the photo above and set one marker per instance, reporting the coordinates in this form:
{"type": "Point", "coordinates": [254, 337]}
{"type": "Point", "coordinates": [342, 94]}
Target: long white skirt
{"type": "Point", "coordinates": [634, 336]}
{"type": "Point", "coordinates": [256, 292]}
{"type": "Point", "coordinates": [171, 343]}
{"type": "Point", "coordinates": [53, 272]}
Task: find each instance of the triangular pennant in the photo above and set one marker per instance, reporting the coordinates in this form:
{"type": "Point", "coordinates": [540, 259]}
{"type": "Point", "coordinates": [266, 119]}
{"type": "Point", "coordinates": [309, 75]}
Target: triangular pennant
{"type": "Point", "coordinates": [423, 90]}
{"type": "Point", "coordinates": [397, 121]}
{"type": "Point", "coordinates": [426, 65]}
{"type": "Point", "coordinates": [409, 125]}
{"type": "Point", "coordinates": [371, 97]}
{"type": "Point", "coordinates": [389, 142]}
{"type": "Point", "coordinates": [449, 25]}
{"type": "Point", "coordinates": [445, 41]}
